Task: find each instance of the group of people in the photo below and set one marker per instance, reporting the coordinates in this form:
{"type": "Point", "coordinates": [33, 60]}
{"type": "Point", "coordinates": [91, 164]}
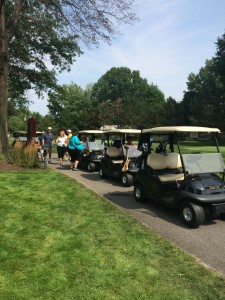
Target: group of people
{"type": "Point", "coordinates": [68, 145]}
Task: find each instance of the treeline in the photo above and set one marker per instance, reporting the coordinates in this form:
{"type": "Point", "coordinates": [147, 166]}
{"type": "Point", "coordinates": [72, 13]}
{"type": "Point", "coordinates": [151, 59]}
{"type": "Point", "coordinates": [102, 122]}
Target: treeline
{"type": "Point", "coordinates": [121, 97]}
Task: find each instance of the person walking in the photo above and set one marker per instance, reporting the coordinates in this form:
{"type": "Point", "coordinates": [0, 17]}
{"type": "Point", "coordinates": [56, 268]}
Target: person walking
{"type": "Point", "coordinates": [61, 145]}
{"type": "Point", "coordinates": [74, 148]}
{"type": "Point", "coordinates": [40, 144]}
{"type": "Point", "coordinates": [69, 134]}
{"type": "Point", "coordinates": [48, 140]}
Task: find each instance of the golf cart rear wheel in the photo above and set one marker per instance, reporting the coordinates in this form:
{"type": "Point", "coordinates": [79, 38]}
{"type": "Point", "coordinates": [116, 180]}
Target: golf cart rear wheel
{"type": "Point", "coordinates": [91, 167]}
{"type": "Point", "coordinates": [102, 172]}
{"type": "Point", "coordinates": [192, 214]}
{"type": "Point", "coordinates": [127, 179]}
{"type": "Point", "coordinates": [139, 193]}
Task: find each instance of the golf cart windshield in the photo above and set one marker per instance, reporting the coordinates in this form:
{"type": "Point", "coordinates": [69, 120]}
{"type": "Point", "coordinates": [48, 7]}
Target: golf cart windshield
{"type": "Point", "coordinates": [95, 146]}
{"type": "Point", "coordinates": [132, 151]}
{"type": "Point", "coordinates": [203, 163]}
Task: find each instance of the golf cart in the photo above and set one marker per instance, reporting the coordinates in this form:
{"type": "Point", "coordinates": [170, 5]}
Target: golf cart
{"type": "Point", "coordinates": [172, 173]}
{"type": "Point", "coordinates": [94, 147]}
{"type": "Point", "coordinates": [119, 158]}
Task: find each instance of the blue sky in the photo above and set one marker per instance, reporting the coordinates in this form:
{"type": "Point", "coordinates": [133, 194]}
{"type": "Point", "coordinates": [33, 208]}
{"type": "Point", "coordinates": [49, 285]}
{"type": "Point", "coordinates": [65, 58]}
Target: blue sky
{"type": "Point", "coordinates": [172, 39]}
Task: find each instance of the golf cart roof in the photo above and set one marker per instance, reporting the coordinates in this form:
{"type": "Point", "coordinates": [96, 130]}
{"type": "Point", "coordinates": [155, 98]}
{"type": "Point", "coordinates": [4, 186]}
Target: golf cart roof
{"type": "Point", "coordinates": [91, 131]}
{"type": "Point", "coordinates": [172, 129]}
{"type": "Point", "coordinates": [123, 131]}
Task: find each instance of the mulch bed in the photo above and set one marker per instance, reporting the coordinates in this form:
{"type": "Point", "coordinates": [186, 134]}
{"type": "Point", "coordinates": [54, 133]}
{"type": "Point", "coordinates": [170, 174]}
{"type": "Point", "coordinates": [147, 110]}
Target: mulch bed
{"type": "Point", "coordinates": [14, 168]}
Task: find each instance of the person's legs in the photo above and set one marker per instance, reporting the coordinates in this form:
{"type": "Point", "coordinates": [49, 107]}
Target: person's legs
{"type": "Point", "coordinates": [72, 161]}
{"type": "Point", "coordinates": [60, 154]}
{"type": "Point", "coordinates": [77, 155]}
{"type": "Point", "coordinates": [67, 155]}
{"type": "Point", "coordinates": [49, 154]}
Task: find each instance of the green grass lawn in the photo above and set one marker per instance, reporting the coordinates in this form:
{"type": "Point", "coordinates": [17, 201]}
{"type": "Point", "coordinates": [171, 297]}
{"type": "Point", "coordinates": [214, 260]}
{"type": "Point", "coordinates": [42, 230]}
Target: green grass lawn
{"type": "Point", "coordinates": [62, 241]}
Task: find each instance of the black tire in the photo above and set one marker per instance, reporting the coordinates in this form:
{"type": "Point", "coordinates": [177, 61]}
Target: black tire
{"type": "Point", "coordinates": [127, 179]}
{"type": "Point", "coordinates": [102, 172]}
{"type": "Point", "coordinates": [90, 167]}
{"type": "Point", "coordinates": [192, 214]}
{"type": "Point", "coordinates": [139, 194]}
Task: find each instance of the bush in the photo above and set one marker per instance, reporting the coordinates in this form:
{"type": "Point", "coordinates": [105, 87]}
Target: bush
{"type": "Point", "coordinates": [25, 156]}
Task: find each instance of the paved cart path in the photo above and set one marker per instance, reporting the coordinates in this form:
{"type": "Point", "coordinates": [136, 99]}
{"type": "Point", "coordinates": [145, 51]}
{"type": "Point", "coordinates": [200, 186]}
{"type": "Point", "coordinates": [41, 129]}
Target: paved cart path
{"type": "Point", "coordinates": [206, 243]}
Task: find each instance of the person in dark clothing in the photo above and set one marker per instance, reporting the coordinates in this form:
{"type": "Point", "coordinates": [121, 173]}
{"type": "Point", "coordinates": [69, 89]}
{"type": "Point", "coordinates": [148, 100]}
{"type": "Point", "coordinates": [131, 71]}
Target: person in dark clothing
{"type": "Point", "coordinates": [48, 140]}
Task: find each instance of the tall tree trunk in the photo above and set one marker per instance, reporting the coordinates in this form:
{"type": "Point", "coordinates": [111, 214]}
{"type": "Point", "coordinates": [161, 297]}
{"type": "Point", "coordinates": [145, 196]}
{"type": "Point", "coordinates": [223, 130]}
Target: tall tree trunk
{"type": "Point", "coordinates": [3, 85]}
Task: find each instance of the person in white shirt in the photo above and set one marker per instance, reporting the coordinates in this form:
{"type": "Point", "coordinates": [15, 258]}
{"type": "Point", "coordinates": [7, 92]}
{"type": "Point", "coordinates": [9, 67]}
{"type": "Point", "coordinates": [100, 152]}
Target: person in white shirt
{"type": "Point", "coordinates": [61, 145]}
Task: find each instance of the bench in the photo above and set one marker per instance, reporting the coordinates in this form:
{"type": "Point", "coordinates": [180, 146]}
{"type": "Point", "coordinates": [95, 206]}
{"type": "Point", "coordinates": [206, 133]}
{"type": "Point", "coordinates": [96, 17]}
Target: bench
{"type": "Point", "coordinates": [170, 163]}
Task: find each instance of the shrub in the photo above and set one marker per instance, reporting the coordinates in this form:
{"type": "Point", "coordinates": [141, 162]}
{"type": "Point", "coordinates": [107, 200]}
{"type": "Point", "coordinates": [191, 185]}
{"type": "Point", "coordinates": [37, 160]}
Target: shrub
{"type": "Point", "coordinates": [18, 153]}
{"type": "Point", "coordinates": [25, 155]}
{"type": "Point", "coordinates": [31, 158]}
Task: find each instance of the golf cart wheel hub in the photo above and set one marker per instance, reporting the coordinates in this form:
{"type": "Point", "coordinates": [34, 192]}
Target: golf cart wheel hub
{"type": "Point", "coordinates": [124, 179]}
{"type": "Point", "coordinates": [137, 193]}
{"type": "Point", "coordinates": [187, 214]}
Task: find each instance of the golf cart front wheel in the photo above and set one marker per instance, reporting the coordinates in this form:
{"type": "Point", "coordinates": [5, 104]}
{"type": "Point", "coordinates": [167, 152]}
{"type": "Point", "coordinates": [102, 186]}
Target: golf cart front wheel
{"type": "Point", "coordinates": [127, 179]}
{"type": "Point", "coordinates": [139, 193]}
{"type": "Point", "coordinates": [192, 214]}
{"type": "Point", "coordinates": [91, 167]}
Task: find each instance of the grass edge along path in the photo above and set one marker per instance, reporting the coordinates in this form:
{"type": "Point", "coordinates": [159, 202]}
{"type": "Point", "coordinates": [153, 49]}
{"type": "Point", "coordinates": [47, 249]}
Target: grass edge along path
{"type": "Point", "coordinates": [60, 240]}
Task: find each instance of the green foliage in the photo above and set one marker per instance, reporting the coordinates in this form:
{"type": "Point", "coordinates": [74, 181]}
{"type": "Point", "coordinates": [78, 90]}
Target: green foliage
{"type": "Point", "coordinates": [17, 104]}
{"type": "Point", "coordinates": [170, 113]}
{"type": "Point", "coordinates": [41, 34]}
{"type": "Point", "coordinates": [127, 99]}
{"type": "Point", "coordinates": [17, 123]}
{"type": "Point", "coordinates": [204, 101]}
{"type": "Point", "coordinates": [71, 107]}
{"type": "Point", "coordinates": [44, 37]}
{"type": "Point", "coordinates": [120, 83]}
{"type": "Point", "coordinates": [220, 57]}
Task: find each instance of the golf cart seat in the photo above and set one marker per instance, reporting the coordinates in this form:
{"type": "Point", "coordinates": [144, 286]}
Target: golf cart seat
{"type": "Point", "coordinates": [166, 166]}
{"type": "Point", "coordinates": [116, 154]}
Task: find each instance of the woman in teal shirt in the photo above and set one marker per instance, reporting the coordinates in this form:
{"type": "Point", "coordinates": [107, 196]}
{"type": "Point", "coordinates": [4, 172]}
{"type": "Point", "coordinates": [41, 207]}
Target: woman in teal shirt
{"type": "Point", "coordinates": [74, 148]}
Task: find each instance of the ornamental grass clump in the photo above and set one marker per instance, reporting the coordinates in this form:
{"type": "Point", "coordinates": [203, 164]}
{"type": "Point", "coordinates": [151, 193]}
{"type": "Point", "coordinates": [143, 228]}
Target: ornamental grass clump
{"type": "Point", "coordinates": [25, 156]}
{"type": "Point", "coordinates": [18, 153]}
{"type": "Point", "coordinates": [30, 155]}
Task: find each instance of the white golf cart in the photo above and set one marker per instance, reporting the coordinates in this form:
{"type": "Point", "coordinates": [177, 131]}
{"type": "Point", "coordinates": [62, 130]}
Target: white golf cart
{"type": "Point", "coordinates": [94, 147]}
{"type": "Point", "coordinates": [119, 160]}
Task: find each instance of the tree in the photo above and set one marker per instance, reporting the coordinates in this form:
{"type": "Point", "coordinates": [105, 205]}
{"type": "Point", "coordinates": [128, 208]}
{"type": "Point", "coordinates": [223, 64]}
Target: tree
{"type": "Point", "coordinates": [120, 83]}
{"type": "Point", "coordinates": [126, 99]}
{"type": "Point", "coordinates": [71, 107]}
{"type": "Point", "coordinates": [170, 114]}
{"type": "Point", "coordinates": [39, 38]}
{"type": "Point", "coordinates": [204, 101]}
{"type": "Point", "coordinates": [220, 57]}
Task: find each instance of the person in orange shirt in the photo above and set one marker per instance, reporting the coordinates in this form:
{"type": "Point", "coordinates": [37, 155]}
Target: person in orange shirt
{"type": "Point", "coordinates": [69, 134]}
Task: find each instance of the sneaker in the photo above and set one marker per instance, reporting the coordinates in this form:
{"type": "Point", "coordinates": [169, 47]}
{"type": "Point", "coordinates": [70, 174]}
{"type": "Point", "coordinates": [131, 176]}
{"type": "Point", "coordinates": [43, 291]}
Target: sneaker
{"type": "Point", "coordinates": [72, 169]}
